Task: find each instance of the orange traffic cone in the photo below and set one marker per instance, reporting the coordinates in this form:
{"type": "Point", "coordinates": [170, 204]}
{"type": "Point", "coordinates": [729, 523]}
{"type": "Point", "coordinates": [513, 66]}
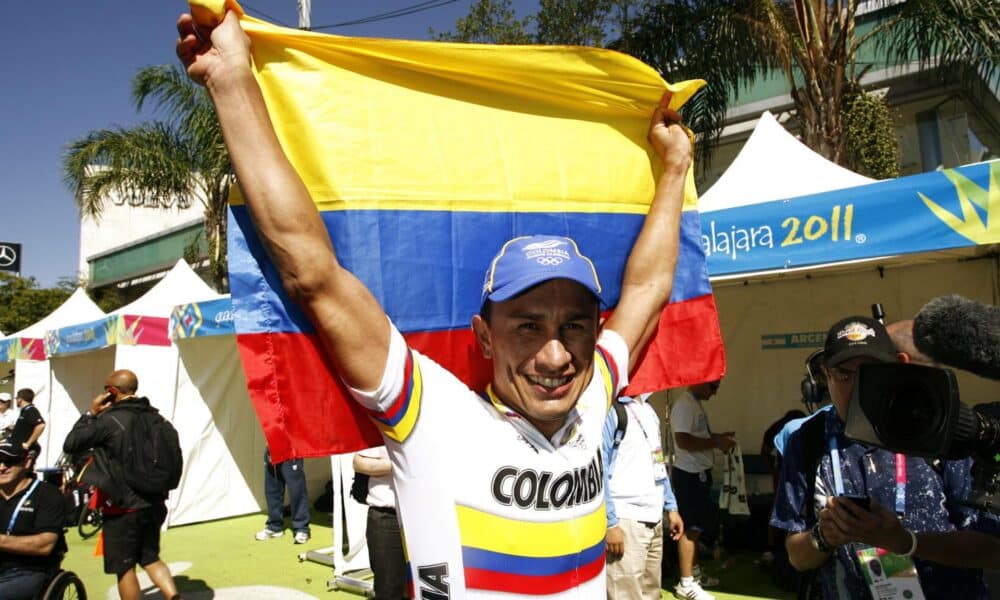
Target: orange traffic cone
{"type": "Point", "coordinates": [99, 547]}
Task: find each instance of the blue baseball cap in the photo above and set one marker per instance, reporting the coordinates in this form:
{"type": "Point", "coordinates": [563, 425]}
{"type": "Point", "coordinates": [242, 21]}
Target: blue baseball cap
{"type": "Point", "coordinates": [524, 262]}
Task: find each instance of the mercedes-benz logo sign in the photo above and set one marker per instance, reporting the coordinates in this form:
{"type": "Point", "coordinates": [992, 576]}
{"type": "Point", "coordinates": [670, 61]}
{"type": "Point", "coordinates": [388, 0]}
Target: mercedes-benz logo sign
{"type": "Point", "coordinates": [8, 256]}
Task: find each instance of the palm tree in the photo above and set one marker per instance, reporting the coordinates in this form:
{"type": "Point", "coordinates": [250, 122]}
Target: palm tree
{"type": "Point", "coordinates": [180, 158]}
{"type": "Point", "coordinates": [813, 44]}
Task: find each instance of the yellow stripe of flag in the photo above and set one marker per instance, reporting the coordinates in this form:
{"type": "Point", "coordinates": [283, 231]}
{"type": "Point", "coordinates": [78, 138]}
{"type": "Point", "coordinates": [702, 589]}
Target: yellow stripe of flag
{"type": "Point", "coordinates": [397, 124]}
{"type": "Point", "coordinates": [486, 531]}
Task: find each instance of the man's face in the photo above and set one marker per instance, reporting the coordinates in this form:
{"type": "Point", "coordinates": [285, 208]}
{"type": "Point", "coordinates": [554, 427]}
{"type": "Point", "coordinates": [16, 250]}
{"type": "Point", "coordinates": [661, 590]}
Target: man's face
{"type": "Point", "coordinates": [12, 470]}
{"type": "Point", "coordinates": [542, 346]}
{"type": "Point", "coordinates": [704, 391]}
{"type": "Point", "coordinates": [840, 380]}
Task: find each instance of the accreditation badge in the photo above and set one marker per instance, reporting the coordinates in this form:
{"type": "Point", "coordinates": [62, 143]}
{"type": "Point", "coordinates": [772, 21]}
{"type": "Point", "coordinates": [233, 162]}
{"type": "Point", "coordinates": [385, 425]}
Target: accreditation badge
{"type": "Point", "coordinates": [659, 465]}
{"type": "Point", "coordinates": [889, 576]}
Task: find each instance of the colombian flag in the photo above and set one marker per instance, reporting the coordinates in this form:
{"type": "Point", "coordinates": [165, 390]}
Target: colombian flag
{"type": "Point", "coordinates": [423, 158]}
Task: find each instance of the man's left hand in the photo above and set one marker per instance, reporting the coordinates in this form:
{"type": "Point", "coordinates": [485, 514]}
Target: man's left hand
{"type": "Point", "coordinates": [669, 138]}
{"type": "Point", "coordinates": [675, 525]}
{"type": "Point", "coordinates": [615, 543]}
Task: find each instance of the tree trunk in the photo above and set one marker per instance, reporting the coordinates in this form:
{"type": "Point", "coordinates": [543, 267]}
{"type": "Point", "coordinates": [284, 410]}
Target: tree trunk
{"type": "Point", "coordinates": [823, 56]}
{"type": "Point", "coordinates": [818, 109]}
{"type": "Point", "coordinates": [215, 235]}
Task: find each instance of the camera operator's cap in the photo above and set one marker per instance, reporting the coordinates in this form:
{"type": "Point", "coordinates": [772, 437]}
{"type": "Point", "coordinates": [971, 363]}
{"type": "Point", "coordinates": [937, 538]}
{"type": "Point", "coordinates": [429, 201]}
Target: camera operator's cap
{"type": "Point", "coordinates": [12, 450]}
{"type": "Point", "coordinates": [5, 397]}
{"type": "Point", "coordinates": [525, 262]}
{"type": "Point", "coordinates": [858, 336]}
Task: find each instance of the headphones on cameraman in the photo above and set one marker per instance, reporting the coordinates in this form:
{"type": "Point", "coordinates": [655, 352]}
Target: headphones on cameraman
{"type": "Point", "coordinates": [813, 386]}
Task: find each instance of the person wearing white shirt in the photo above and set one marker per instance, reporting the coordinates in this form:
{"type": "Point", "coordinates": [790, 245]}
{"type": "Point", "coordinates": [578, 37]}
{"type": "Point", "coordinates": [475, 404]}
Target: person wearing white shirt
{"type": "Point", "coordinates": [694, 443]}
{"type": "Point", "coordinates": [382, 532]}
{"type": "Point", "coordinates": [8, 416]}
{"type": "Point", "coordinates": [638, 495]}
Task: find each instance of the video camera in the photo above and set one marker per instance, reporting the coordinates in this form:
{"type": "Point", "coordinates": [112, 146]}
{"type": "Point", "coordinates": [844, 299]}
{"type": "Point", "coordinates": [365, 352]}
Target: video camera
{"type": "Point", "coordinates": [915, 409]}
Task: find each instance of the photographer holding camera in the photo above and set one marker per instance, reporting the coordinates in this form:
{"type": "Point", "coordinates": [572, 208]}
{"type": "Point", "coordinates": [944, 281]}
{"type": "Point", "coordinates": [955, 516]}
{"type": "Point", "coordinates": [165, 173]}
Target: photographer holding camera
{"type": "Point", "coordinates": [852, 511]}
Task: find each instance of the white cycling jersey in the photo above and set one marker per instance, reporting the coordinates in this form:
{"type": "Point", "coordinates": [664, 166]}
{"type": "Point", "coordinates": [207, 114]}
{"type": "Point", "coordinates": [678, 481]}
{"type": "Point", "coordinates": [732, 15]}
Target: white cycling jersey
{"type": "Point", "coordinates": [490, 508]}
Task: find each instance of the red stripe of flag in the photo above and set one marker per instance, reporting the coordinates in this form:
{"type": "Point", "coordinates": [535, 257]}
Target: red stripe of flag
{"type": "Point", "coordinates": [532, 584]}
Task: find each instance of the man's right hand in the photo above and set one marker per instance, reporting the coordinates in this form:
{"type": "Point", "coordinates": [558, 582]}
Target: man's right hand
{"type": "Point", "coordinates": [100, 403]}
{"type": "Point", "coordinates": [724, 441]}
{"type": "Point", "coordinates": [208, 53]}
{"type": "Point", "coordinates": [615, 543]}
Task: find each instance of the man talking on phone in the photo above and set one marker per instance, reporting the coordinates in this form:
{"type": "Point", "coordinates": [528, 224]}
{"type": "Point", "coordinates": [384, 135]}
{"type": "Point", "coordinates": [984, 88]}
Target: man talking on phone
{"type": "Point", "coordinates": [132, 519]}
{"type": "Point", "coordinates": [847, 506]}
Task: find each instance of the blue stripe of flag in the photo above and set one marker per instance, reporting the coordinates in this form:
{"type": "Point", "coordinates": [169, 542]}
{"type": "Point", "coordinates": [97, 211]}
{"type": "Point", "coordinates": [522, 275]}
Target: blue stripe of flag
{"type": "Point", "coordinates": [426, 267]}
{"type": "Point", "coordinates": [477, 558]}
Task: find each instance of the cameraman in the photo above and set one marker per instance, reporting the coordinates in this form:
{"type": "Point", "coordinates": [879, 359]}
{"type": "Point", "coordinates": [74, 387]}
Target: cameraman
{"type": "Point", "coordinates": [821, 467]}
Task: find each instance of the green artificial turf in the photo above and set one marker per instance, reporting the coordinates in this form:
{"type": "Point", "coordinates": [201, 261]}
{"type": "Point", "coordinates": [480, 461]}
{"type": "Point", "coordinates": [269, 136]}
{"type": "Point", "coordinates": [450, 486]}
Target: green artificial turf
{"type": "Point", "coordinates": [739, 578]}
{"type": "Point", "coordinates": [219, 555]}
{"type": "Point", "coordinates": [210, 559]}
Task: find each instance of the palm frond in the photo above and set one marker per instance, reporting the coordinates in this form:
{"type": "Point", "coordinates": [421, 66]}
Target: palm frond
{"type": "Point", "coordinates": [955, 36]}
{"type": "Point", "coordinates": [149, 162]}
{"type": "Point", "coordinates": [728, 43]}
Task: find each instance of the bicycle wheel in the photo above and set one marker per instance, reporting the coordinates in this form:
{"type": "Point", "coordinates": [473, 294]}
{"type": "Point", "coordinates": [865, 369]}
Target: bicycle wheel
{"type": "Point", "coordinates": [90, 521]}
{"type": "Point", "coordinates": [65, 586]}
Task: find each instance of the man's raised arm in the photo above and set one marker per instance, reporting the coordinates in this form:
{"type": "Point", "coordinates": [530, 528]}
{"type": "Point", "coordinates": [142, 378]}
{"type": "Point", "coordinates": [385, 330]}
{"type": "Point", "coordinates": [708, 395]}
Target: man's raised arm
{"type": "Point", "coordinates": [351, 324]}
{"type": "Point", "coordinates": [649, 272]}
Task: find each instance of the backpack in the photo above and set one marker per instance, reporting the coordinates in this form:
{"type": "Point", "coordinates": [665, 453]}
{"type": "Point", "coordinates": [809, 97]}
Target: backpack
{"type": "Point", "coordinates": [359, 488]}
{"type": "Point", "coordinates": [622, 422]}
{"type": "Point", "coordinates": [151, 459]}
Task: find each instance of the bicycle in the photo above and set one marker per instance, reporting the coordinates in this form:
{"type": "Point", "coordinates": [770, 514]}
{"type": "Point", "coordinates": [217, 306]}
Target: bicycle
{"type": "Point", "coordinates": [91, 518]}
{"type": "Point", "coordinates": [84, 514]}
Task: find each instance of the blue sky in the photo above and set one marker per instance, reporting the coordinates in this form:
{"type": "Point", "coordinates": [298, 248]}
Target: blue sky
{"type": "Point", "coordinates": [66, 70]}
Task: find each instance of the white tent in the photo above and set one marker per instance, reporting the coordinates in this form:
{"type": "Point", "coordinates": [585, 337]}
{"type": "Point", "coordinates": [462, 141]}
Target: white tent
{"type": "Point", "coordinates": [24, 352]}
{"type": "Point", "coordinates": [223, 442]}
{"type": "Point", "coordinates": [134, 337]}
{"type": "Point", "coordinates": [773, 165]}
{"type": "Point", "coordinates": [785, 265]}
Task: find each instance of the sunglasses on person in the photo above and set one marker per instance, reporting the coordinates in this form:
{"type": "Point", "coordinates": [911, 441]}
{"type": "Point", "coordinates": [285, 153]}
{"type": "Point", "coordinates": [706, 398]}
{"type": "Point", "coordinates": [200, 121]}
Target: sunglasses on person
{"type": "Point", "coordinates": [12, 461]}
{"type": "Point", "coordinates": [843, 375]}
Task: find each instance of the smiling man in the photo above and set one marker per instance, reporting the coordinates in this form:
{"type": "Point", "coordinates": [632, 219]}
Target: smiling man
{"type": "Point", "coordinates": [500, 494]}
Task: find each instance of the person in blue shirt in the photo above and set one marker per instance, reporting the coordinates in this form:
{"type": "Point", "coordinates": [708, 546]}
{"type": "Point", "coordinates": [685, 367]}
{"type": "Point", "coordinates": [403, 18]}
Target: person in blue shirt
{"type": "Point", "coordinates": [637, 495]}
{"type": "Point", "coordinates": [914, 507]}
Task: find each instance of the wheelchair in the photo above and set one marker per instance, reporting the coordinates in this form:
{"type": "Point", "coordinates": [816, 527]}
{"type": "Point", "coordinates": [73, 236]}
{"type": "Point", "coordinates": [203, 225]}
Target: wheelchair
{"type": "Point", "coordinates": [64, 586]}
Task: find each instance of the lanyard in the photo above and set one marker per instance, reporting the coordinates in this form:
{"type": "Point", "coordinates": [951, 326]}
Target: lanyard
{"type": "Point", "coordinates": [838, 478]}
{"type": "Point", "coordinates": [17, 509]}
{"type": "Point", "coordinates": [900, 484]}
{"type": "Point", "coordinates": [654, 444]}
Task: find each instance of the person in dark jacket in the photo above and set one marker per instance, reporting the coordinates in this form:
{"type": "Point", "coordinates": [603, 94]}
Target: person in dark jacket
{"type": "Point", "coordinates": [131, 521]}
